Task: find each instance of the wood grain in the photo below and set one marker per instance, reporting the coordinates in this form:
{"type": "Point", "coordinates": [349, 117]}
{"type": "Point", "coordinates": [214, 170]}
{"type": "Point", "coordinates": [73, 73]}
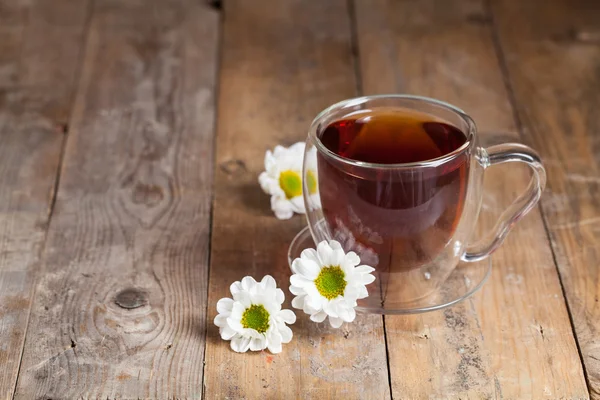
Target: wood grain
{"type": "Point", "coordinates": [276, 75]}
{"type": "Point", "coordinates": [35, 102]}
{"type": "Point", "coordinates": [552, 53]}
{"type": "Point", "coordinates": [120, 309]}
{"type": "Point", "coordinates": [514, 339]}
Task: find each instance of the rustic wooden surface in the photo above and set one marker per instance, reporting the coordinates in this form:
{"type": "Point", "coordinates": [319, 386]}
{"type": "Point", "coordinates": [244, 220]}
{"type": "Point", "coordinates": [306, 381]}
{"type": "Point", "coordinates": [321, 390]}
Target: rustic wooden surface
{"type": "Point", "coordinates": [120, 304]}
{"type": "Point", "coordinates": [40, 48]}
{"type": "Point", "coordinates": [552, 57]}
{"type": "Point", "coordinates": [132, 136]}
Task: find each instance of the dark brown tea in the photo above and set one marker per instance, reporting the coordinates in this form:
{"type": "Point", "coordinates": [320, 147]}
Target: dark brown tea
{"type": "Point", "coordinates": [397, 218]}
{"type": "Point", "coordinates": [392, 138]}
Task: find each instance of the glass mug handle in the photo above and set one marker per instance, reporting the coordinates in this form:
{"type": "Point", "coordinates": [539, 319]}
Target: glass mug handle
{"type": "Point", "coordinates": [499, 154]}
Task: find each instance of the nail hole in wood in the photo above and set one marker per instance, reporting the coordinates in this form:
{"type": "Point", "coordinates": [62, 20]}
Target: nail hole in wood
{"type": "Point", "coordinates": [216, 4]}
{"type": "Point", "coordinates": [62, 128]}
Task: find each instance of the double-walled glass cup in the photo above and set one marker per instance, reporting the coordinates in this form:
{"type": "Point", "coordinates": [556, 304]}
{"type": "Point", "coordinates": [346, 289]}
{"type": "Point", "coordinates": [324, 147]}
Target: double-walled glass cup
{"type": "Point", "coordinates": [413, 222]}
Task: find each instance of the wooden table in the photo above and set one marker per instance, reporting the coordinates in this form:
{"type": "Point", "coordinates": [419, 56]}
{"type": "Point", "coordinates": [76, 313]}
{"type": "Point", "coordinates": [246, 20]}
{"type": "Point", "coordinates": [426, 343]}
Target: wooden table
{"type": "Point", "coordinates": [132, 135]}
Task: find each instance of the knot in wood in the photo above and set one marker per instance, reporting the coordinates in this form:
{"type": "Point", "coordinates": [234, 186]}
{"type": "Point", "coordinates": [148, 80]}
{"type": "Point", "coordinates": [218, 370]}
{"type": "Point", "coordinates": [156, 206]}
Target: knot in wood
{"type": "Point", "coordinates": [233, 167]}
{"type": "Point", "coordinates": [150, 195]}
{"type": "Point", "coordinates": [131, 298]}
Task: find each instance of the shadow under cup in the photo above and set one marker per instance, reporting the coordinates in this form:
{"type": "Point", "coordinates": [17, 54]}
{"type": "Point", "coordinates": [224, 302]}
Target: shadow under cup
{"type": "Point", "coordinates": [408, 221]}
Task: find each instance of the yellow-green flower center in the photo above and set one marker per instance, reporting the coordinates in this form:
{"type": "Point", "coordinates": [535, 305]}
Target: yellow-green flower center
{"type": "Point", "coordinates": [311, 182]}
{"type": "Point", "coordinates": [330, 282]}
{"type": "Point", "coordinates": [291, 183]}
{"type": "Point", "coordinates": [256, 317]}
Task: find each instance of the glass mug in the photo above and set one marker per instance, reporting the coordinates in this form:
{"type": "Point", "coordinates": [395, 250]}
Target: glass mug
{"type": "Point", "coordinates": [412, 222]}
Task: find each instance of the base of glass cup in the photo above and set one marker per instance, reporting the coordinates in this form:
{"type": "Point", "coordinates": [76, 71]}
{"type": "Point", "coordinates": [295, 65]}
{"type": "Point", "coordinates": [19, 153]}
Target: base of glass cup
{"type": "Point", "coordinates": [465, 279]}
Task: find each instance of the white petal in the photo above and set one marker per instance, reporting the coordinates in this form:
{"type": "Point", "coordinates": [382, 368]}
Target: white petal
{"type": "Point", "coordinates": [352, 315]}
{"type": "Point", "coordinates": [258, 344]}
{"type": "Point", "coordinates": [275, 348]}
{"type": "Point", "coordinates": [363, 293]}
{"type": "Point", "coordinates": [248, 283]}
{"type": "Point", "coordinates": [351, 292]}
{"type": "Point", "coordinates": [240, 344]}
{"type": "Point", "coordinates": [298, 148]}
{"type": "Point", "coordinates": [279, 151]}
{"type": "Point", "coordinates": [335, 322]}
{"type": "Point", "coordinates": [288, 163]}
{"type": "Point", "coordinates": [268, 282]}
{"type": "Point", "coordinates": [266, 301]}
{"type": "Point", "coordinates": [221, 320]}
{"type": "Point", "coordinates": [297, 204]}
{"type": "Point", "coordinates": [281, 207]}
{"type": "Point", "coordinates": [312, 292]}
{"type": "Point", "coordinates": [334, 244]}
{"type": "Point", "coordinates": [287, 316]}
{"type": "Point", "coordinates": [279, 296]}
{"type": "Point", "coordinates": [308, 309]}
{"type": "Point", "coordinates": [337, 257]}
{"type": "Point", "coordinates": [319, 317]}
{"type": "Point", "coordinates": [277, 191]}
{"type": "Point", "coordinates": [286, 334]}
{"type": "Point", "coordinates": [251, 333]}
{"type": "Point", "coordinates": [274, 342]}
{"type": "Point", "coordinates": [310, 255]}
{"type": "Point", "coordinates": [224, 305]}
{"type": "Point", "coordinates": [296, 290]}
{"type": "Point", "coordinates": [367, 279]}
{"type": "Point", "coordinates": [364, 269]}
{"type": "Point", "coordinates": [227, 333]}
{"type": "Point", "coordinates": [346, 313]}
{"type": "Point", "coordinates": [331, 309]}
{"type": "Point", "coordinates": [235, 324]}
{"type": "Point", "coordinates": [324, 251]}
{"type": "Point", "coordinates": [243, 298]}
{"type": "Point", "coordinates": [298, 302]}
{"type": "Point", "coordinates": [265, 182]}
{"type": "Point", "coordinates": [235, 287]}
{"type": "Point", "coordinates": [351, 260]}
{"type": "Point", "coordinates": [300, 281]}
{"type": "Point", "coordinates": [316, 302]}
{"type": "Point", "coordinates": [307, 268]}
{"type": "Point", "coordinates": [270, 160]}
{"type": "Point", "coordinates": [271, 306]}
{"type": "Point", "coordinates": [268, 295]}
{"type": "Point", "coordinates": [237, 310]}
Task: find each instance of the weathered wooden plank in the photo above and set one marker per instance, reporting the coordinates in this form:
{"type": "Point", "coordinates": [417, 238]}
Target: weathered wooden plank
{"type": "Point", "coordinates": [120, 309]}
{"type": "Point", "coordinates": [276, 75]}
{"type": "Point", "coordinates": [514, 339]}
{"type": "Point", "coordinates": [552, 53]}
{"type": "Point", "coordinates": [40, 50]}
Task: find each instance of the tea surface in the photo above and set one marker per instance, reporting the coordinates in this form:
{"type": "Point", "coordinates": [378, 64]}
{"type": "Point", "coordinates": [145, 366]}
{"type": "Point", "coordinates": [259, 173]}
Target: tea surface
{"type": "Point", "coordinates": [392, 137]}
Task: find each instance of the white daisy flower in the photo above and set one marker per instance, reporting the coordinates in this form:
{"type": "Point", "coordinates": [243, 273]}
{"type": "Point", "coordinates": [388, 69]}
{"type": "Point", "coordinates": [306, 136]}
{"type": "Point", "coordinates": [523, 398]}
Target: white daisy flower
{"type": "Point", "coordinates": [327, 283]}
{"type": "Point", "coordinates": [282, 179]}
{"type": "Point", "coordinates": [253, 319]}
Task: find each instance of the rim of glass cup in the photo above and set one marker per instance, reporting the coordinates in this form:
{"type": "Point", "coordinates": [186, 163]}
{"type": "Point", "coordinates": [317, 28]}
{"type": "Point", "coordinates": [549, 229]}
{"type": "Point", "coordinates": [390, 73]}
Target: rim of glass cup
{"type": "Point", "coordinates": [434, 162]}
